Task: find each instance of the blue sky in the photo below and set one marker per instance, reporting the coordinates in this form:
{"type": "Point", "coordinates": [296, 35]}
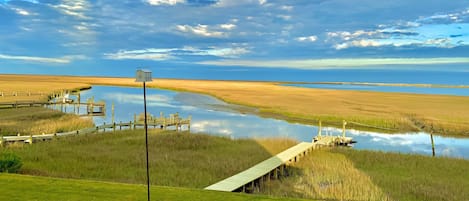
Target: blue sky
{"type": "Point", "coordinates": [78, 36]}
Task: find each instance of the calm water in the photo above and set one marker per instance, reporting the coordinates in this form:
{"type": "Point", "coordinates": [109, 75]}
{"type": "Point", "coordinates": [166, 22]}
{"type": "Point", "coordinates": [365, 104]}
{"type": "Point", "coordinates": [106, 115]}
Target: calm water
{"type": "Point", "coordinates": [404, 89]}
{"type": "Point", "coordinates": [213, 116]}
{"type": "Point", "coordinates": [455, 74]}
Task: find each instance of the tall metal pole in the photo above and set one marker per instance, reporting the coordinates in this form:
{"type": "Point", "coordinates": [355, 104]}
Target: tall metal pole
{"type": "Point", "coordinates": [146, 137]}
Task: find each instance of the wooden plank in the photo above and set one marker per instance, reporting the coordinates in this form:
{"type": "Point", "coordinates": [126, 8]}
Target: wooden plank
{"type": "Point", "coordinates": [239, 180]}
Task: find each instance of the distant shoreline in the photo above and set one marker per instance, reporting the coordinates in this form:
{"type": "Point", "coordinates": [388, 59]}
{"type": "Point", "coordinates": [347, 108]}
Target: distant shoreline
{"type": "Point", "coordinates": [384, 84]}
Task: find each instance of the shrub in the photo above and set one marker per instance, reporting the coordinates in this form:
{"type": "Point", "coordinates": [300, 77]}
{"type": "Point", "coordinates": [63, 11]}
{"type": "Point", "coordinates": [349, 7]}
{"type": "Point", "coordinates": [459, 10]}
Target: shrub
{"type": "Point", "coordinates": [10, 162]}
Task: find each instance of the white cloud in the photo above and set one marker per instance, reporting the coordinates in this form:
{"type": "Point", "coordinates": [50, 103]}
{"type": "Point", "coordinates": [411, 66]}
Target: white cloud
{"type": "Point", "coordinates": [174, 53]}
{"type": "Point", "coordinates": [200, 30]}
{"type": "Point", "coordinates": [287, 8]}
{"type": "Point", "coordinates": [307, 38]}
{"type": "Point", "coordinates": [334, 63]}
{"type": "Point", "coordinates": [229, 3]}
{"type": "Point", "coordinates": [440, 30]}
{"type": "Point", "coordinates": [226, 52]}
{"type": "Point", "coordinates": [285, 17]}
{"type": "Point", "coordinates": [74, 8]}
{"type": "Point", "coordinates": [164, 2]}
{"type": "Point", "coordinates": [227, 26]}
{"type": "Point", "coordinates": [21, 11]}
{"type": "Point", "coordinates": [147, 54]}
{"type": "Point", "coordinates": [59, 60]}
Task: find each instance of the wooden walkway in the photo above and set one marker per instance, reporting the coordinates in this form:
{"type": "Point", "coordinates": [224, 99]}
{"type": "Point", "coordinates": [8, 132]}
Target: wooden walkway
{"type": "Point", "coordinates": [272, 168]}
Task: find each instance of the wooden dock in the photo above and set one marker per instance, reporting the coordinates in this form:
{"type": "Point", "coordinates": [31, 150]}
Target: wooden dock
{"type": "Point", "coordinates": [162, 123]}
{"type": "Point", "coordinates": [272, 168]}
{"type": "Point", "coordinates": [253, 178]}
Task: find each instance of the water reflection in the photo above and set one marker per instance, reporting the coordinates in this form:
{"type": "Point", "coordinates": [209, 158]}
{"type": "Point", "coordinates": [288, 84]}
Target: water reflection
{"type": "Point", "coordinates": [210, 115]}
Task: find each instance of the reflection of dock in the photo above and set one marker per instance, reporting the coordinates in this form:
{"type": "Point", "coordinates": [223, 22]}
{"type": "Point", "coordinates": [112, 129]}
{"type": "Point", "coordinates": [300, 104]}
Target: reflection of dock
{"type": "Point", "coordinates": [275, 167]}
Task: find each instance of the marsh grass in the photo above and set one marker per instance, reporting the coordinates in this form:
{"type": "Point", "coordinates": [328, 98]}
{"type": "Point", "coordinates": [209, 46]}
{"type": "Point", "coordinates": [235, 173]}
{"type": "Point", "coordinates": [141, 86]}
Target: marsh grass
{"type": "Point", "coordinates": [389, 110]}
{"type": "Point", "coordinates": [38, 120]}
{"type": "Point", "coordinates": [347, 174]}
{"type": "Point", "coordinates": [176, 159]}
{"type": "Point", "coordinates": [413, 177]}
{"type": "Point", "coordinates": [326, 175]}
{"type": "Point", "coordinates": [22, 87]}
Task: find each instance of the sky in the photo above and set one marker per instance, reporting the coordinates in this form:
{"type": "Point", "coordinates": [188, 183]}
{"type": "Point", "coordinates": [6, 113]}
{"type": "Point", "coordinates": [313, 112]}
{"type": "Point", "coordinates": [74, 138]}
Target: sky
{"type": "Point", "coordinates": [109, 37]}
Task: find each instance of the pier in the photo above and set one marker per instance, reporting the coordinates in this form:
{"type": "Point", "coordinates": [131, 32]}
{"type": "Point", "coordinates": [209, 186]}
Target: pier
{"type": "Point", "coordinates": [252, 179]}
{"type": "Point", "coordinates": [173, 121]}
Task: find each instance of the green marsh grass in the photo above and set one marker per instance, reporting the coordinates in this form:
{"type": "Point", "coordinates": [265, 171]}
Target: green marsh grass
{"type": "Point", "coordinates": [348, 174]}
{"type": "Point", "coordinates": [176, 159]}
{"type": "Point", "coordinates": [326, 176]}
{"type": "Point", "coordinates": [413, 177]}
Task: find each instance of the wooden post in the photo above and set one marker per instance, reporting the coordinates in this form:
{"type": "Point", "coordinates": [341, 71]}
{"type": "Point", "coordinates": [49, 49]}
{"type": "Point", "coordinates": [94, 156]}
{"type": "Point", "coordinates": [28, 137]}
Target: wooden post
{"type": "Point", "coordinates": [112, 109]}
{"type": "Point", "coordinates": [120, 125]}
{"type": "Point", "coordinates": [30, 139]}
{"type": "Point", "coordinates": [343, 128]}
{"type": "Point", "coordinates": [431, 137]}
{"type": "Point", "coordinates": [78, 97]}
{"type": "Point", "coordinates": [319, 128]}
{"type": "Point", "coordinates": [135, 120]}
{"type": "Point", "coordinates": [1, 138]}
{"type": "Point", "coordinates": [104, 127]}
{"type": "Point", "coordinates": [114, 127]}
{"type": "Point", "coordinates": [433, 144]}
{"type": "Point", "coordinates": [189, 123]}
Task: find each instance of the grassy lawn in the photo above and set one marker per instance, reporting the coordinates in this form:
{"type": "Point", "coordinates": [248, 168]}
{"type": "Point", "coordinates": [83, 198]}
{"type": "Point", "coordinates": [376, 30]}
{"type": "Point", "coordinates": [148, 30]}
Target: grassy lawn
{"type": "Point", "coordinates": [176, 159]}
{"type": "Point", "coordinates": [397, 111]}
{"type": "Point", "coordinates": [34, 188]}
{"type": "Point", "coordinates": [365, 175]}
{"type": "Point", "coordinates": [37, 120]}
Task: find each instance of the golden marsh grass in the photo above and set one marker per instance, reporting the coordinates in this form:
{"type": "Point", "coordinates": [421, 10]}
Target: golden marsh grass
{"type": "Point", "coordinates": [329, 176]}
{"type": "Point", "coordinates": [396, 111]}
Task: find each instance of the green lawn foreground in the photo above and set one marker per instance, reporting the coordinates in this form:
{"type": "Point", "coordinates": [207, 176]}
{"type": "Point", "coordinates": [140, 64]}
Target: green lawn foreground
{"type": "Point", "coordinates": [24, 188]}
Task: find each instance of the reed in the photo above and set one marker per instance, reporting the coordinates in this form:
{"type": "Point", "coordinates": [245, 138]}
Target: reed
{"type": "Point", "coordinates": [38, 120]}
{"type": "Point", "coordinates": [176, 159]}
{"type": "Point", "coordinates": [347, 174]}
{"type": "Point", "coordinates": [326, 176]}
{"type": "Point", "coordinates": [413, 177]}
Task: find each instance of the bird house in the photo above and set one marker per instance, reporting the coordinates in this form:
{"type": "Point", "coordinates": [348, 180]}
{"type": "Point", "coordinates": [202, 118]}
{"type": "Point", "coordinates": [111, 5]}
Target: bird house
{"type": "Point", "coordinates": [143, 76]}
